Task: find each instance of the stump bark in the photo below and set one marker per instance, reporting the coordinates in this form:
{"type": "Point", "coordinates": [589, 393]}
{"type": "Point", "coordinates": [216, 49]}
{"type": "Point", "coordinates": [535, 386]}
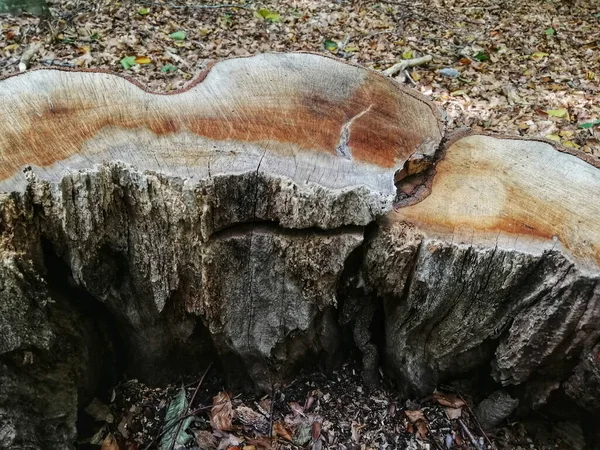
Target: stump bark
{"type": "Point", "coordinates": [276, 206]}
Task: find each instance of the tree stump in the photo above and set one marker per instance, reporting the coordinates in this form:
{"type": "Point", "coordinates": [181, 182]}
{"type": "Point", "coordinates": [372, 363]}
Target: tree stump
{"type": "Point", "coordinates": [257, 215]}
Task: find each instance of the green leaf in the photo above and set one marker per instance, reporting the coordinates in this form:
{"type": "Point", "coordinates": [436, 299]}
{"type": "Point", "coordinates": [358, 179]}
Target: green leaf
{"type": "Point", "coordinates": [588, 125]}
{"type": "Point", "coordinates": [560, 113]}
{"type": "Point", "coordinates": [351, 49]}
{"type": "Point", "coordinates": [143, 11]}
{"type": "Point", "coordinates": [330, 45]}
{"type": "Point", "coordinates": [178, 35]}
{"type": "Point", "coordinates": [168, 68]}
{"type": "Point", "coordinates": [550, 32]}
{"type": "Point", "coordinates": [482, 56]}
{"type": "Point", "coordinates": [271, 16]}
{"type": "Point", "coordinates": [94, 36]}
{"type": "Point", "coordinates": [177, 408]}
{"type": "Point", "coordinates": [128, 62]}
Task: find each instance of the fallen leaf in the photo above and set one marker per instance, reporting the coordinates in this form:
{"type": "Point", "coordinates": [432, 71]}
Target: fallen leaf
{"type": "Point", "coordinates": [110, 443]}
{"type": "Point", "coordinates": [550, 32]}
{"type": "Point", "coordinates": [332, 46]}
{"type": "Point", "coordinates": [482, 56]}
{"type": "Point", "coordinates": [421, 428]}
{"type": "Point", "coordinates": [413, 416]}
{"type": "Point", "coordinates": [303, 434]}
{"type": "Point", "coordinates": [172, 429]}
{"type": "Point", "coordinates": [168, 68]}
{"type": "Point", "coordinates": [142, 60]}
{"type": "Point", "coordinates": [205, 439]}
{"type": "Point", "coordinates": [539, 55]}
{"type": "Point", "coordinates": [271, 16]}
{"type": "Point", "coordinates": [587, 125]}
{"type": "Point", "coordinates": [449, 400]}
{"type": "Point", "coordinates": [407, 55]}
{"type": "Point", "coordinates": [316, 430]}
{"type": "Point", "coordinates": [553, 137]}
{"type": "Point", "coordinates": [279, 429]}
{"type": "Point", "coordinates": [128, 62]}
{"type": "Point", "coordinates": [262, 442]}
{"type": "Point", "coordinates": [178, 35]}
{"type": "Point", "coordinates": [560, 113]}
{"type": "Point", "coordinates": [252, 419]}
{"type": "Point", "coordinates": [570, 144]}
{"type": "Point", "coordinates": [221, 412]}
{"type": "Point", "coordinates": [143, 11]}
{"type": "Point", "coordinates": [453, 413]}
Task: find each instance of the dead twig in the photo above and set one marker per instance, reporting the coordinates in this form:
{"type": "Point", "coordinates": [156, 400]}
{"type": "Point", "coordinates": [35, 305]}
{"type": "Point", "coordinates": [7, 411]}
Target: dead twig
{"type": "Point", "coordinates": [180, 420]}
{"type": "Point", "coordinates": [28, 54]}
{"type": "Point", "coordinates": [271, 413]}
{"type": "Point", "coordinates": [55, 62]}
{"type": "Point", "coordinates": [492, 446]}
{"type": "Point", "coordinates": [405, 64]}
{"type": "Point", "coordinates": [473, 439]}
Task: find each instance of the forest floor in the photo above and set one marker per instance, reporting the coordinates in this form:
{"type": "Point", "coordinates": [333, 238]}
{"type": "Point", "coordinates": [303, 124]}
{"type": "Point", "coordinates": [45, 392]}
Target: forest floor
{"type": "Point", "coordinates": [528, 68]}
{"type": "Point", "coordinates": [317, 411]}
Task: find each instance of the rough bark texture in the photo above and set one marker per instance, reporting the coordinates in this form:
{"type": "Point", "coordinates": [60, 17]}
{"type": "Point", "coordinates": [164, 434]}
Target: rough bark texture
{"type": "Point", "coordinates": [250, 218]}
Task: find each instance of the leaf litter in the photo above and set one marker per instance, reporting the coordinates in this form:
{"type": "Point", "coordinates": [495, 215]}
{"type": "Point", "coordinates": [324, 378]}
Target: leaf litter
{"type": "Point", "coordinates": [314, 412]}
{"type": "Point", "coordinates": [494, 66]}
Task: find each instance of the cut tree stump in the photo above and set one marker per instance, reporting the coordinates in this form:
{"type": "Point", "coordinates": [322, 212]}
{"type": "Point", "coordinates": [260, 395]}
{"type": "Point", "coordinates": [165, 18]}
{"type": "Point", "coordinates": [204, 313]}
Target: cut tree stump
{"type": "Point", "coordinates": [263, 215]}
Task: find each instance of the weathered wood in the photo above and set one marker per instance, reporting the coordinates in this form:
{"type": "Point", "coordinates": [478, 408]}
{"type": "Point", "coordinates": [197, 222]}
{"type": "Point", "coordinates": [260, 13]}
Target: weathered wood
{"type": "Point", "coordinates": [231, 218]}
{"type": "Point", "coordinates": [498, 264]}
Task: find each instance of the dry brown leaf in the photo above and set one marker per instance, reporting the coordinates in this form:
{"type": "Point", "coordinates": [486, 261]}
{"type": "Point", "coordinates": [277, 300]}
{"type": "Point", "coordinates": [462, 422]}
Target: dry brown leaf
{"type": "Point", "coordinates": [205, 439]}
{"type": "Point", "coordinates": [262, 442]}
{"type": "Point", "coordinates": [316, 430]}
{"type": "Point", "coordinates": [421, 428]}
{"type": "Point", "coordinates": [296, 408]}
{"type": "Point", "coordinates": [280, 430]}
{"type": "Point", "coordinates": [110, 443]}
{"type": "Point", "coordinates": [413, 416]}
{"type": "Point", "coordinates": [453, 413]}
{"type": "Point", "coordinates": [221, 413]}
{"type": "Point", "coordinates": [142, 60]}
{"type": "Point", "coordinates": [449, 400]}
{"type": "Point", "coordinates": [251, 418]}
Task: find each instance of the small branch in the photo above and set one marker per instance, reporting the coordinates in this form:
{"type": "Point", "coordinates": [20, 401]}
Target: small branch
{"type": "Point", "coordinates": [218, 6]}
{"type": "Point", "coordinates": [183, 416]}
{"type": "Point", "coordinates": [405, 64]}
{"type": "Point", "coordinates": [492, 446]}
{"type": "Point", "coordinates": [473, 439]}
{"type": "Point", "coordinates": [271, 413]}
{"type": "Point", "coordinates": [198, 386]}
{"type": "Point", "coordinates": [55, 62]}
